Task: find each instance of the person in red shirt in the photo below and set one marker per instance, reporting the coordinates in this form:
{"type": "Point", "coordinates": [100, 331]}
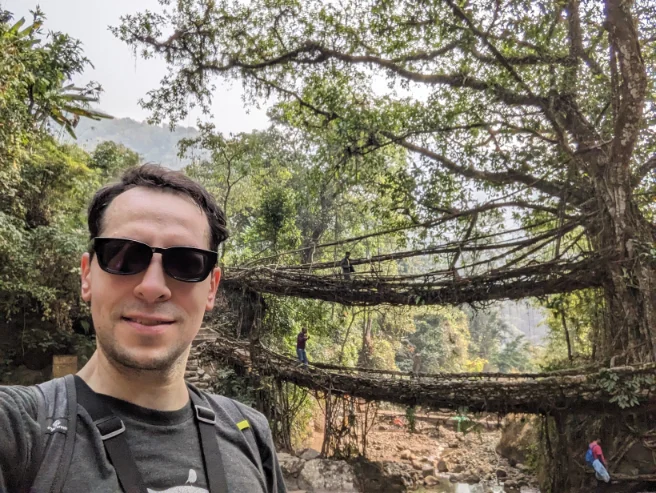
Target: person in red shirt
{"type": "Point", "coordinates": [597, 453]}
{"type": "Point", "coordinates": [598, 463]}
{"type": "Point", "coordinates": [300, 345]}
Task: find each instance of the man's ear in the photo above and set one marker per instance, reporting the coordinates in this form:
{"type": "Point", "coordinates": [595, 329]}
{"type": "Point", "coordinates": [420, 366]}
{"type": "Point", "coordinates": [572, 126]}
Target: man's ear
{"type": "Point", "coordinates": [215, 277]}
{"type": "Point", "coordinates": [85, 277]}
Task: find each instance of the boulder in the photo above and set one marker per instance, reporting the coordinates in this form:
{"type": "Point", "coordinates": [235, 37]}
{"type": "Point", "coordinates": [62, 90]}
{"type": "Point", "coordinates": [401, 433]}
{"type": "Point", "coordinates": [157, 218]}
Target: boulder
{"type": "Point", "coordinates": [472, 479]}
{"type": "Point", "coordinates": [322, 475]}
{"type": "Point", "coordinates": [390, 477]}
{"type": "Point", "coordinates": [441, 466]}
{"type": "Point", "coordinates": [406, 455]}
{"type": "Point", "coordinates": [456, 478]}
{"type": "Point", "coordinates": [501, 473]}
{"type": "Point", "coordinates": [291, 468]}
{"type": "Point", "coordinates": [427, 470]}
{"type": "Point", "coordinates": [458, 468]}
{"type": "Point", "coordinates": [431, 481]}
{"type": "Point", "coordinates": [309, 454]}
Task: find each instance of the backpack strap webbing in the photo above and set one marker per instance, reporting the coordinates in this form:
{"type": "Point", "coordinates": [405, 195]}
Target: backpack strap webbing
{"type": "Point", "coordinates": [112, 432]}
{"type": "Point", "coordinates": [56, 403]}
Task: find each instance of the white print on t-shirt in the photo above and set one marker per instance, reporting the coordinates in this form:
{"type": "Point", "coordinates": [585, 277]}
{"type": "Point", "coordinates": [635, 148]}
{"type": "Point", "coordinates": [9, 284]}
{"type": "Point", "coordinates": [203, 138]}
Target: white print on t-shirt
{"type": "Point", "coordinates": [193, 477]}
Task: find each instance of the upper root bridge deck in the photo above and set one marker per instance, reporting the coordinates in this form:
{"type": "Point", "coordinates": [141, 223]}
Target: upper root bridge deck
{"type": "Point", "coordinates": [572, 391]}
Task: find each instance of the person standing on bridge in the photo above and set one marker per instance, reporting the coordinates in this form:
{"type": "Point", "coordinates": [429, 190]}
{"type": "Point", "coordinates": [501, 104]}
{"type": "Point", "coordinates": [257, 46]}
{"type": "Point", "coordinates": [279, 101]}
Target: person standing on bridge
{"type": "Point", "coordinates": [346, 266]}
{"type": "Point", "coordinates": [301, 339]}
{"type": "Point", "coordinates": [595, 457]}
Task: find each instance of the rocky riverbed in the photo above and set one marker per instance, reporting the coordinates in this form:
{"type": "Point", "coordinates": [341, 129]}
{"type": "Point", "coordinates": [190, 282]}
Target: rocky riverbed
{"type": "Point", "coordinates": [435, 458]}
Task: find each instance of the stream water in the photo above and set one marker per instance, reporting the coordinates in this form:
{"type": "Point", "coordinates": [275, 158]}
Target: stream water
{"type": "Point", "coordinates": [474, 488]}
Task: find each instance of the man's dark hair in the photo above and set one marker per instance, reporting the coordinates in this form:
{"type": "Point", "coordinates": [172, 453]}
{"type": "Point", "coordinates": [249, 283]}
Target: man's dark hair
{"type": "Point", "coordinates": [159, 178]}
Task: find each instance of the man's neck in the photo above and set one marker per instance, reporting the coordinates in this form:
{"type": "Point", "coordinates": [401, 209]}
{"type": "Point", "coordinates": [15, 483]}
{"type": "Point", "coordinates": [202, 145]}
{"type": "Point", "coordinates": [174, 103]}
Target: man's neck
{"type": "Point", "coordinates": [162, 391]}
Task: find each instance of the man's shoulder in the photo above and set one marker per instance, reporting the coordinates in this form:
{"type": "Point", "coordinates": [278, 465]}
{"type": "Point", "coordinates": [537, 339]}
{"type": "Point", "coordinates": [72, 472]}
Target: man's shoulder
{"type": "Point", "coordinates": [19, 398]}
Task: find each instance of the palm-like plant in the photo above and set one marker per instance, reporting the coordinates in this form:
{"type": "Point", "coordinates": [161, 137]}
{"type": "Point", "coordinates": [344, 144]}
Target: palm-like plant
{"type": "Point", "coordinates": [66, 105]}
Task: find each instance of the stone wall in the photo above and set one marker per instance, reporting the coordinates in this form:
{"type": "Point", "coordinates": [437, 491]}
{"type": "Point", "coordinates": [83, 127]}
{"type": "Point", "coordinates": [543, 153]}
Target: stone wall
{"type": "Point", "coordinates": [195, 373]}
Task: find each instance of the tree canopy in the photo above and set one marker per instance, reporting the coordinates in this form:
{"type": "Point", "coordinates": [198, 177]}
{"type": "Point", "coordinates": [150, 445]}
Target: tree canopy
{"type": "Point", "coordinates": [524, 109]}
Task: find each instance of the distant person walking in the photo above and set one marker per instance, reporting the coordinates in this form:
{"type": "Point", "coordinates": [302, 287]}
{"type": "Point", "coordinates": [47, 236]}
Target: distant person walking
{"type": "Point", "coordinates": [346, 266]}
{"type": "Point", "coordinates": [416, 364]}
{"type": "Point", "coordinates": [301, 339]}
{"type": "Point", "coordinates": [595, 457]}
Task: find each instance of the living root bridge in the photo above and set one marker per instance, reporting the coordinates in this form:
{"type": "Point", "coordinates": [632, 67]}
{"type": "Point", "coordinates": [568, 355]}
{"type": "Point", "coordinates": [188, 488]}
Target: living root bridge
{"type": "Point", "coordinates": [429, 289]}
{"type": "Point", "coordinates": [539, 393]}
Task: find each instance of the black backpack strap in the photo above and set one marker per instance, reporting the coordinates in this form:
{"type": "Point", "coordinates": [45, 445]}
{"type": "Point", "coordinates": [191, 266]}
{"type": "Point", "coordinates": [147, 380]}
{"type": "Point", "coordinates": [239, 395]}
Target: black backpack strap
{"type": "Point", "coordinates": [67, 455]}
{"type": "Point", "coordinates": [112, 433]}
{"type": "Point", "coordinates": [57, 417]}
{"type": "Point", "coordinates": [206, 420]}
{"type": "Point", "coordinates": [40, 446]}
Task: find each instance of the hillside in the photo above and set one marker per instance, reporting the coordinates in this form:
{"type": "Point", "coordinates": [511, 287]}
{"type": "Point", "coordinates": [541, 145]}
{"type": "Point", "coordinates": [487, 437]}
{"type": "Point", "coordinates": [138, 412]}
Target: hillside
{"type": "Point", "coordinates": [156, 144]}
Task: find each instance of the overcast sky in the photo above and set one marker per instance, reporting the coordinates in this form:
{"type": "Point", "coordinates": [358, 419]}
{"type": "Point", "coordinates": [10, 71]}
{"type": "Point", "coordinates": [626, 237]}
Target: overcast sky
{"type": "Point", "coordinates": [124, 78]}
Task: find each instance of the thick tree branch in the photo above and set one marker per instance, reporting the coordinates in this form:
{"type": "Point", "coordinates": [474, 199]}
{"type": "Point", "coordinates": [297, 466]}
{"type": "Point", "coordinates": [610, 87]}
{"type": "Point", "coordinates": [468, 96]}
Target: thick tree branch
{"type": "Point", "coordinates": [626, 44]}
{"type": "Point", "coordinates": [499, 178]}
{"type": "Point", "coordinates": [644, 170]}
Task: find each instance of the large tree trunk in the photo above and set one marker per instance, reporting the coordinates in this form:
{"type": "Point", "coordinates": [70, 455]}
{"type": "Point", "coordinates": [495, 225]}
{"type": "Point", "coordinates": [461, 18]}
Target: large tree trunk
{"type": "Point", "coordinates": [625, 236]}
{"type": "Point", "coordinates": [629, 332]}
{"type": "Point", "coordinates": [622, 231]}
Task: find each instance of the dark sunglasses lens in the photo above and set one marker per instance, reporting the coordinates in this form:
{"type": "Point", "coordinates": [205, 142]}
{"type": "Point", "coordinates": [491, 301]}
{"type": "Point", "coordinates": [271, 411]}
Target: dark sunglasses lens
{"type": "Point", "coordinates": [122, 256]}
{"type": "Point", "coordinates": [187, 264]}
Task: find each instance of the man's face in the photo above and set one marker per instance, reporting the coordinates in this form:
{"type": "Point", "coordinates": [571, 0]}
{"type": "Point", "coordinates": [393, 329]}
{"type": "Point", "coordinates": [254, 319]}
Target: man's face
{"type": "Point", "coordinates": [147, 321]}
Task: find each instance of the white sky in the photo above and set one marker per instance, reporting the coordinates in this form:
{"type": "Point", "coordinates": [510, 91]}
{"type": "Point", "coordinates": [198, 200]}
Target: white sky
{"type": "Point", "coordinates": [124, 78]}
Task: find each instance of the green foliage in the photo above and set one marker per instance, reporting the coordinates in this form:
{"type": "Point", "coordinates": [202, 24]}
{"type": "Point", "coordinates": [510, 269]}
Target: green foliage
{"type": "Point", "coordinates": [411, 418]}
{"type": "Point", "coordinates": [581, 314]}
{"type": "Point", "coordinates": [488, 332]}
{"type": "Point", "coordinates": [441, 339]}
{"type": "Point", "coordinates": [515, 356]}
{"type": "Point", "coordinates": [276, 219]}
{"type": "Point", "coordinates": [226, 382]}
{"type": "Point", "coordinates": [35, 71]}
{"type": "Point", "coordinates": [41, 242]}
{"type": "Point", "coordinates": [626, 392]}
{"type": "Point", "coordinates": [111, 159]}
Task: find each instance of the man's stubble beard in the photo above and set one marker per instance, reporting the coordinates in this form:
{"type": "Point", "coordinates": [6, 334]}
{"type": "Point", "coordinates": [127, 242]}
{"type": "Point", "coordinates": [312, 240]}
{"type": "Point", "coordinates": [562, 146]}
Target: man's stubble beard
{"type": "Point", "coordinates": [166, 363]}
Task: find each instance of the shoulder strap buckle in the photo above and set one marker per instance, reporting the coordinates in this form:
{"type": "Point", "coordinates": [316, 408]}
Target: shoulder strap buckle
{"type": "Point", "coordinates": [205, 414]}
{"type": "Point", "coordinates": [109, 427]}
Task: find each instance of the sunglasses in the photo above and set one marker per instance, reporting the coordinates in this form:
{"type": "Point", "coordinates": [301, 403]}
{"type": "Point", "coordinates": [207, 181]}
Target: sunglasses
{"type": "Point", "coordinates": [125, 257]}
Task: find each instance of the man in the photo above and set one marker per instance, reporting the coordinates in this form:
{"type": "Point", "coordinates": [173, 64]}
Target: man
{"type": "Point", "coordinates": [347, 268]}
{"type": "Point", "coordinates": [150, 275]}
{"type": "Point", "coordinates": [301, 339]}
{"type": "Point", "coordinates": [595, 457]}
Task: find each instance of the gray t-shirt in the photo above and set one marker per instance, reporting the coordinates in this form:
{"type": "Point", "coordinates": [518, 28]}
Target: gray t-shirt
{"type": "Point", "coordinates": [165, 445]}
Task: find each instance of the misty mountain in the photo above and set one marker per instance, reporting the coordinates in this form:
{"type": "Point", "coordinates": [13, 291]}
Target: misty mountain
{"type": "Point", "coordinates": [156, 144]}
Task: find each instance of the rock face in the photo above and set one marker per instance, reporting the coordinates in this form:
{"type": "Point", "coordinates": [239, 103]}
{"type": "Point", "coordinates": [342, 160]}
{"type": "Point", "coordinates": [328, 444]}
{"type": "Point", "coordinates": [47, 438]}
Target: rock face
{"type": "Point", "coordinates": [518, 436]}
{"type": "Point", "coordinates": [388, 477]}
{"type": "Point", "coordinates": [317, 475]}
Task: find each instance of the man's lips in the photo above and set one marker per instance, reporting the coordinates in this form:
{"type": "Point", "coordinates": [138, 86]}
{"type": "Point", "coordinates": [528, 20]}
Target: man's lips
{"type": "Point", "coordinates": [148, 323]}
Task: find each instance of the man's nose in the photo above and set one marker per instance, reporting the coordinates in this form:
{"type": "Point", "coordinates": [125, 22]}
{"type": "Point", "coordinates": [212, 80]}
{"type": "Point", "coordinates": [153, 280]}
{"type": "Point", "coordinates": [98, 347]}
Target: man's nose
{"type": "Point", "coordinates": [153, 286]}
